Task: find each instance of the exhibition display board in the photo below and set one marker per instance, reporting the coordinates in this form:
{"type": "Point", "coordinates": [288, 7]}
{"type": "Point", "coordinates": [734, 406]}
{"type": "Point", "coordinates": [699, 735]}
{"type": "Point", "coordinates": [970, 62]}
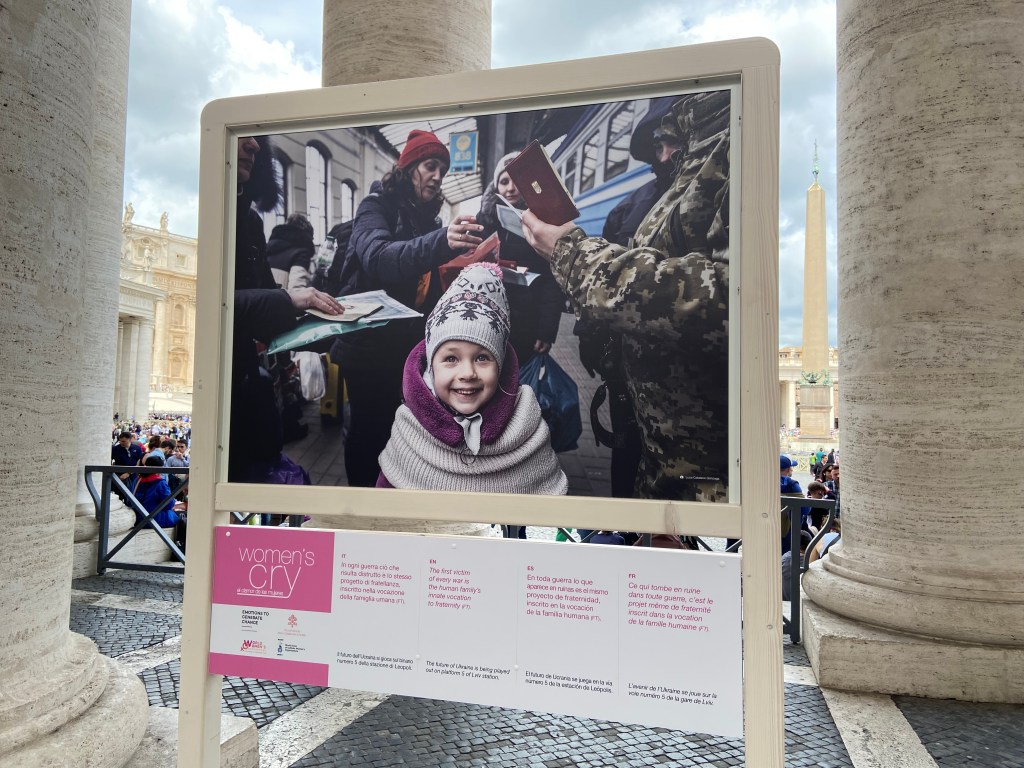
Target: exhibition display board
{"type": "Point", "coordinates": [606, 632]}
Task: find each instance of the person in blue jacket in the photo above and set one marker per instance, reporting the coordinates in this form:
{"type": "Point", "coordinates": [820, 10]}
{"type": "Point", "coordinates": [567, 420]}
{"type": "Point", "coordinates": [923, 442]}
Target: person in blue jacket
{"type": "Point", "coordinates": [153, 489]}
{"type": "Point", "coordinates": [397, 245]}
{"type": "Point", "coordinates": [790, 486]}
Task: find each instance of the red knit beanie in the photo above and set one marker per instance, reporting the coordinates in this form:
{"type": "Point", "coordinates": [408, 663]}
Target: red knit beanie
{"type": "Point", "coordinates": [419, 146]}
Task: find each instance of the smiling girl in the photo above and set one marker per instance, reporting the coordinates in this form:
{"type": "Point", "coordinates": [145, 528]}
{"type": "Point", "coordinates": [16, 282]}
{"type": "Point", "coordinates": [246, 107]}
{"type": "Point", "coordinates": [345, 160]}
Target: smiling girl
{"type": "Point", "coordinates": [467, 424]}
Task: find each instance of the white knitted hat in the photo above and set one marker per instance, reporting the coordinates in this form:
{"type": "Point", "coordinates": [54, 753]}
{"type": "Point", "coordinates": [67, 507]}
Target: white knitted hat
{"type": "Point", "coordinates": [500, 167]}
{"type": "Point", "coordinates": [474, 308]}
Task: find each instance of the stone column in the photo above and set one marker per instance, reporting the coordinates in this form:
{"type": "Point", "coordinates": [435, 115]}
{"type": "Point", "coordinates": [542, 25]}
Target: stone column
{"type": "Point", "coordinates": [925, 595]}
{"type": "Point", "coordinates": [365, 42]}
{"type": "Point", "coordinates": [118, 406]}
{"type": "Point", "coordinates": [143, 367]}
{"type": "Point", "coordinates": [124, 376]}
{"type": "Point", "coordinates": [160, 373]}
{"type": "Point", "coordinates": [59, 698]}
{"type": "Point", "coordinates": [101, 275]}
{"type": "Point", "coordinates": [129, 366]}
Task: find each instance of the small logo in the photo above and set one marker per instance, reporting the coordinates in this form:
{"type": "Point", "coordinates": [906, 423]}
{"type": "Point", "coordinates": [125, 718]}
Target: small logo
{"type": "Point", "coordinates": [292, 621]}
{"type": "Point", "coordinates": [280, 647]}
{"type": "Point", "coordinates": [253, 646]}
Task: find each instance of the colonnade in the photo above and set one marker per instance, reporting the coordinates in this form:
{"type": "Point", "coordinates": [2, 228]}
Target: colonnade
{"type": "Point", "coordinates": [925, 595]}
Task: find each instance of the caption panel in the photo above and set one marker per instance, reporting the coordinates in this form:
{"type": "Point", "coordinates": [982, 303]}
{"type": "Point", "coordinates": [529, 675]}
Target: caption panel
{"type": "Point", "coordinates": [619, 633]}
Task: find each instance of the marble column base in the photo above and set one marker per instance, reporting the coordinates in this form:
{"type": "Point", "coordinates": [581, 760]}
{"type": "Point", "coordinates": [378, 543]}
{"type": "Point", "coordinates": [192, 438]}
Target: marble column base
{"type": "Point", "coordinates": [239, 742]}
{"type": "Point", "coordinates": [104, 734]}
{"type": "Point", "coordinates": [146, 547]}
{"type": "Point", "coordinates": [853, 656]}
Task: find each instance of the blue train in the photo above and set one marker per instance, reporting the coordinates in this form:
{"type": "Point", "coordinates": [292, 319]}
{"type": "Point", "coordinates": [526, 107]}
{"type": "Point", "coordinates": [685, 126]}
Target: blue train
{"type": "Point", "coordinates": [594, 158]}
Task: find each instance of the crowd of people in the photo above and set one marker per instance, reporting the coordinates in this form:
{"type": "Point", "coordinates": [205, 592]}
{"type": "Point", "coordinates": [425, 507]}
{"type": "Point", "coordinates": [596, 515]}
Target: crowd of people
{"type": "Point", "coordinates": [153, 446]}
{"type": "Point", "coordinates": [825, 485]}
{"type": "Point", "coordinates": [176, 425]}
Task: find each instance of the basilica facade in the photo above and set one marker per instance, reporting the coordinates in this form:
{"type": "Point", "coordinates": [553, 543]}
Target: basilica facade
{"type": "Point", "coordinates": [156, 325]}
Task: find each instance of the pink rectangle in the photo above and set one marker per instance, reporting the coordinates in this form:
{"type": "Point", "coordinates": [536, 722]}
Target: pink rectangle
{"type": "Point", "coordinates": [287, 568]}
{"type": "Point", "coordinates": [282, 670]}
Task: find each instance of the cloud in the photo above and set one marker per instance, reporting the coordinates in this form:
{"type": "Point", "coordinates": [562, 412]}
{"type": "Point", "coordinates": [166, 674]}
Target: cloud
{"type": "Point", "coordinates": [183, 55]}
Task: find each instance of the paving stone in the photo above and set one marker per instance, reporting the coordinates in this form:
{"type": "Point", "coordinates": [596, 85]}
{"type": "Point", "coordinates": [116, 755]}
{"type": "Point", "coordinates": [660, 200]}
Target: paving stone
{"type": "Point", "coordinates": [118, 631]}
{"type": "Point", "coordinates": [961, 733]}
{"type": "Point", "coordinates": [142, 584]}
{"type": "Point", "coordinates": [262, 700]}
{"type": "Point", "coordinates": [511, 737]}
{"type": "Point", "coordinates": [794, 654]}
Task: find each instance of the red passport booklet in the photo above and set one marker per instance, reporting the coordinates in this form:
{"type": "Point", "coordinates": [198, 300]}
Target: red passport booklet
{"type": "Point", "coordinates": [541, 186]}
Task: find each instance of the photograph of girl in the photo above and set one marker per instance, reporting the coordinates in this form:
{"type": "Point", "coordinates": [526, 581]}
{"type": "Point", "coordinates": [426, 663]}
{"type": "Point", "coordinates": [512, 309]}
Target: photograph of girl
{"type": "Point", "coordinates": [466, 423]}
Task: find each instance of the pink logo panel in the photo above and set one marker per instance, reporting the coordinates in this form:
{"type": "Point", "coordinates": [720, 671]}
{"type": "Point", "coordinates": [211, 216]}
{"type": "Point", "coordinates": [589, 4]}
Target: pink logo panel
{"type": "Point", "coordinates": [273, 567]}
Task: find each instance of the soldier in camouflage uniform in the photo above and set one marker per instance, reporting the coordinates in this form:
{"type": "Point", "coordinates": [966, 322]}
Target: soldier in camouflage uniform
{"type": "Point", "coordinates": [667, 294]}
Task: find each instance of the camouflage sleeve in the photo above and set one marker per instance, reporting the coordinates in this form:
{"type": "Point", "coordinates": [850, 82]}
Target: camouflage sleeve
{"type": "Point", "coordinates": [640, 290]}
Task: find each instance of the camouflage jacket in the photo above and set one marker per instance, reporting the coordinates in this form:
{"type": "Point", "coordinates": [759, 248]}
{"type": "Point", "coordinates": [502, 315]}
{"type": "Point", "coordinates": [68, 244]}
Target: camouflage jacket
{"type": "Point", "coordinates": [666, 293]}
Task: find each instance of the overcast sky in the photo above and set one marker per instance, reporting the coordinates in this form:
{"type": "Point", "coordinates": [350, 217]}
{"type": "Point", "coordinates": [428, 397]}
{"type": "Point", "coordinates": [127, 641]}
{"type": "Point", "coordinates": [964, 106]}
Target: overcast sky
{"type": "Point", "coordinates": [185, 53]}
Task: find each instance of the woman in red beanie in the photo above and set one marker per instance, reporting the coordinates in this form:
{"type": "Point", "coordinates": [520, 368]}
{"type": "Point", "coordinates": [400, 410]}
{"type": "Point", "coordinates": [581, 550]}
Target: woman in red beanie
{"type": "Point", "coordinates": [397, 244]}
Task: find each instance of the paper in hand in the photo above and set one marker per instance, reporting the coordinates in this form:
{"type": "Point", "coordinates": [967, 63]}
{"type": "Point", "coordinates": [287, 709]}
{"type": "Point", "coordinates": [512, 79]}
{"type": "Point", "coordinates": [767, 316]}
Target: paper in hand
{"type": "Point", "coordinates": [354, 310]}
{"type": "Point", "coordinates": [511, 219]}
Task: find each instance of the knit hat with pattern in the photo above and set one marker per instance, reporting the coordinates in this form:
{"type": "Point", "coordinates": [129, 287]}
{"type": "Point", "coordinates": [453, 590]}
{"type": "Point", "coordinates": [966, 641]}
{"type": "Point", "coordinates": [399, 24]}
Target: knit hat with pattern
{"type": "Point", "coordinates": [474, 308]}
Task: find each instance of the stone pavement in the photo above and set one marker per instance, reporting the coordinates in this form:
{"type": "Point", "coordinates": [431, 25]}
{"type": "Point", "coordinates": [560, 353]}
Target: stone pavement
{"type": "Point", "coordinates": [136, 617]}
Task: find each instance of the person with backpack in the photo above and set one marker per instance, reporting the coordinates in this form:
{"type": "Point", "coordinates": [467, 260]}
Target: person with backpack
{"type": "Point", "coordinates": [397, 245]}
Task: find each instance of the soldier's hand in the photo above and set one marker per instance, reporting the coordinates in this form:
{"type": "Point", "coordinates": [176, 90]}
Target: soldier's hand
{"type": "Point", "coordinates": [542, 237]}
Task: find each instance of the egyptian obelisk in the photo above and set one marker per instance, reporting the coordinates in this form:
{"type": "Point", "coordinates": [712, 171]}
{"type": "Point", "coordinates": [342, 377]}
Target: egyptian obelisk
{"type": "Point", "coordinates": [815, 382]}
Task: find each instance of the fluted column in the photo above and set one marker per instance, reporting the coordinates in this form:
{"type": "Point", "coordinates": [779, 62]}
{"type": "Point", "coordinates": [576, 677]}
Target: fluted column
{"type": "Point", "coordinates": [160, 373]}
{"type": "Point", "coordinates": [129, 368]}
{"type": "Point", "coordinates": [931, 285]}
{"type": "Point", "coordinates": [143, 368]}
{"type": "Point", "coordinates": [59, 698]}
{"type": "Point", "coordinates": [100, 327]}
{"type": "Point", "coordinates": [365, 42]}
{"type": "Point", "coordinates": [118, 406]}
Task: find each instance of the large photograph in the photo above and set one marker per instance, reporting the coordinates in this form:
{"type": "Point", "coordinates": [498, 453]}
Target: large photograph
{"type": "Point", "coordinates": [528, 302]}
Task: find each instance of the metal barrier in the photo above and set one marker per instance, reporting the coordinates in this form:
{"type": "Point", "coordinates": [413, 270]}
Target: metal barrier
{"type": "Point", "coordinates": [793, 505]}
{"type": "Point", "coordinates": [110, 479]}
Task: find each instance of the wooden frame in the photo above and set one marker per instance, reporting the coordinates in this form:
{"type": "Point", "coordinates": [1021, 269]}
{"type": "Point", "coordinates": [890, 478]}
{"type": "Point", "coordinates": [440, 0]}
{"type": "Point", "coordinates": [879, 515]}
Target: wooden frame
{"type": "Point", "coordinates": [752, 66]}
